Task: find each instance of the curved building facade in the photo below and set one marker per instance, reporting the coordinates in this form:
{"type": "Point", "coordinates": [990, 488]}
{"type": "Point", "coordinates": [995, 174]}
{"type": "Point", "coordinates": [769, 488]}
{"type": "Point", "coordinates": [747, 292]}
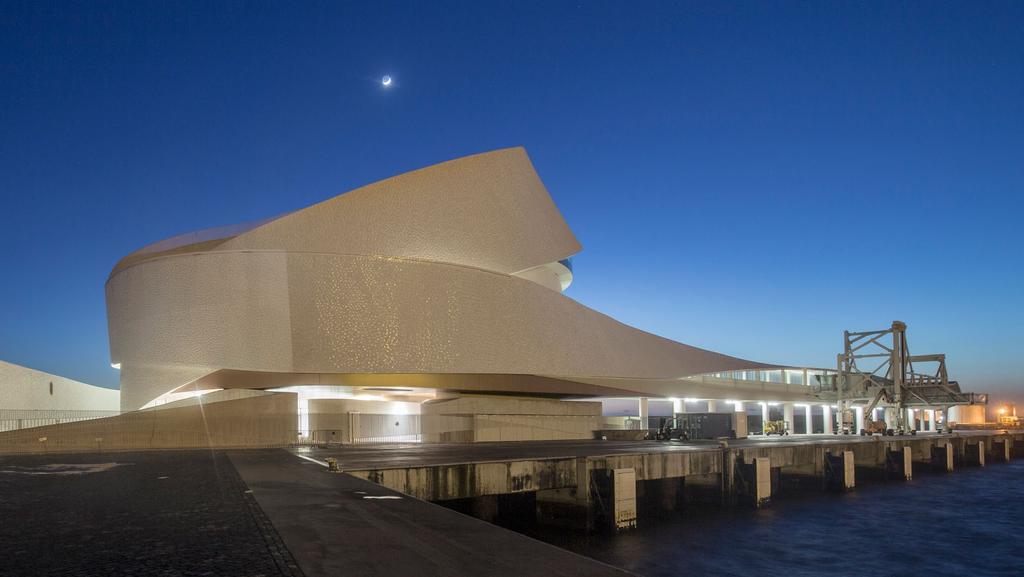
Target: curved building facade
{"type": "Point", "coordinates": [448, 278]}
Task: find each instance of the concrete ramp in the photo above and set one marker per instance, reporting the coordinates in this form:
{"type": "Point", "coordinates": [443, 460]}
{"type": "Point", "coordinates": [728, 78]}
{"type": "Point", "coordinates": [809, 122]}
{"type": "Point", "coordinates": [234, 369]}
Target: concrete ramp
{"type": "Point", "coordinates": [336, 524]}
{"type": "Point", "coordinates": [261, 420]}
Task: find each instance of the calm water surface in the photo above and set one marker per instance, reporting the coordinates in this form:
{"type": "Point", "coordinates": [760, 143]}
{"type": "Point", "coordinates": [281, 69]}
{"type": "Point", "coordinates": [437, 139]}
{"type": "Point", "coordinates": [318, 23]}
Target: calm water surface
{"type": "Point", "coordinates": [970, 522]}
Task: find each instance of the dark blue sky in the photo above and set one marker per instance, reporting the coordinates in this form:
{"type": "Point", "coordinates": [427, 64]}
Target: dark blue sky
{"type": "Point", "coordinates": [752, 178]}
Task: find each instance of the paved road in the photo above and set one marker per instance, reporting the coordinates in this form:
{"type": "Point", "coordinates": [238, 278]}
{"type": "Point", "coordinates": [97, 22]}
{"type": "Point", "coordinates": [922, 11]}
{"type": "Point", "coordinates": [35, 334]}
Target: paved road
{"type": "Point", "coordinates": [335, 524]}
{"type": "Point", "coordinates": [361, 457]}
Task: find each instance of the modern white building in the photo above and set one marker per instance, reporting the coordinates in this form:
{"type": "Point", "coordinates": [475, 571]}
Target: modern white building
{"type": "Point", "coordinates": [446, 279]}
{"type": "Point", "coordinates": [31, 398]}
{"type": "Point", "coordinates": [442, 283]}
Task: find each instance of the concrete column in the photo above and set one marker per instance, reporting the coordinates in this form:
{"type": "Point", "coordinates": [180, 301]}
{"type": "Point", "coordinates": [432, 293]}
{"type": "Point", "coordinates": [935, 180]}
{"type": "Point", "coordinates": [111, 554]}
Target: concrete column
{"type": "Point", "coordinates": [910, 421]}
{"type": "Point", "coordinates": [841, 470]}
{"type": "Point", "coordinates": [1001, 450]}
{"type": "Point", "coordinates": [763, 483]}
{"type": "Point", "coordinates": [624, 487]}
{"type": "Point", "coordinates": [889, 416]}
{"type": "Point", "coordinates": [678, 406]}
{"type": "Point", "coordinates": [615, 502]}
{"type": "Point", "coordinates": [900, 462]}
{"type": "Point", "coordinates": [756, 488]}
{"type": "Point", "coordinates": [942, 458]}
{"type": "Point", "coordinates": [643, 412]}
{"type": "Point", "coordinates": [740, 421]}
{"type": "Point", "coordinates": [858, 417]}
{"type": "Point", "coordinates": [787, 414]}
{"type": "Point", "coordinates": [712, 406]}
{"type": "Point", "coordinates": [764, 417]}
{"type": "Point", "coordinates": [975, 454]}
{"type": "Point", "coordinates": [931, 420]}
{"type": "Point", "coordinates": [826, 413]}
{"type": "Point", "coordinates": [809, 422]}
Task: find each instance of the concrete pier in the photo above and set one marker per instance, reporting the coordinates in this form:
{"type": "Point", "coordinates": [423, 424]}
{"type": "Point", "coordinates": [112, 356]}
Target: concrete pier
{"type": "Point", "coordinates": [572, 480]}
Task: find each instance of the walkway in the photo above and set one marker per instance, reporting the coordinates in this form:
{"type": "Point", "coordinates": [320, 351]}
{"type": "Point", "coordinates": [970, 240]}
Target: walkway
{"type": "Point", "coordinates": [335, 524]}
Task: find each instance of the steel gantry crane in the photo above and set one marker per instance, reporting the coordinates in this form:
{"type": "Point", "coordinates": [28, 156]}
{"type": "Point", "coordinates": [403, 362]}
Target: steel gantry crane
{"type": "Point", "coordinates": [893, 380]}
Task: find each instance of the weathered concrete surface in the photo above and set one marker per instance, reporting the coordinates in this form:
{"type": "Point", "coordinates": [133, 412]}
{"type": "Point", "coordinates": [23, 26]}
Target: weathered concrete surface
{"type": "Point", "coordinates": [500, 468]}
{"type": "Point", "coordinates": [465, 480]}
{"type": "Point", "coordinates": [337, 524]}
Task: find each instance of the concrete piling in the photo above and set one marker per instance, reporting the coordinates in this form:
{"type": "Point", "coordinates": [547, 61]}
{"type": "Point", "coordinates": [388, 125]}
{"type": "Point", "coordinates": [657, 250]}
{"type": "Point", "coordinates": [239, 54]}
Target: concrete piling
{"type": "Point", "coordinates": [753, 483]}
{"type": "Point", "coordinates": [1001, 450]}
{"type": "Point", "coordinates": [611, 491]}
{"type": "Point", "coordinates": [900, 463]}
{"type": "Point", "coordinates": [615, 498]}
{"type": "Point", "coordinates": [974, 454]}
{"type": "Point", "coordinates": [942, 458]}
{"type": "Point", "coordinates": [840, 470]}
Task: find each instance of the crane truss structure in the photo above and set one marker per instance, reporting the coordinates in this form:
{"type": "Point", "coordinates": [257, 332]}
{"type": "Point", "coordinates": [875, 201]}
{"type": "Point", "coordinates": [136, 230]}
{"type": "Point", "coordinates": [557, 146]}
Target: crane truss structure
{"type": "Point", "coordinates": [886, 372]}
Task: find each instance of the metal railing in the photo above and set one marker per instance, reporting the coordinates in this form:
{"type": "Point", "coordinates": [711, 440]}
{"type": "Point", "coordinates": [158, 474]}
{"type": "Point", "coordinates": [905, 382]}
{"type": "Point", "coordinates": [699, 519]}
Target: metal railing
{"type": "Point", "coordinates": [15, 419]}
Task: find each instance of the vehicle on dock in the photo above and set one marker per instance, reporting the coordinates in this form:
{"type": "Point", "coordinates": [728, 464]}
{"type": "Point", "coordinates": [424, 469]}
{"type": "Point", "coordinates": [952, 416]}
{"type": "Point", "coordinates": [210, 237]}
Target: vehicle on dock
{"type": "Point", "coordinates": [779, 428]}
{"type": "Point", "coordinates": [876, 427]}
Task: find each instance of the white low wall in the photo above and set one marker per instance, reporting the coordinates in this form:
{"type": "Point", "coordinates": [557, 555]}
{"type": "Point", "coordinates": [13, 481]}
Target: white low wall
{"type": "Point", "coordinates": [22, 388]}
{"type": "Point", "coordinates": [474, 419]}
{"type": "Point", "coordinates": [31, 398]}
{"type": "Point", "coordinates": [358, 421]}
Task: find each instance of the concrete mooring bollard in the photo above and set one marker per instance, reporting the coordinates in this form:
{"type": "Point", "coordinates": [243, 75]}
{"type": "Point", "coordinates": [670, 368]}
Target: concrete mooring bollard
{"type": "Point", "coordinates": [942, 458]}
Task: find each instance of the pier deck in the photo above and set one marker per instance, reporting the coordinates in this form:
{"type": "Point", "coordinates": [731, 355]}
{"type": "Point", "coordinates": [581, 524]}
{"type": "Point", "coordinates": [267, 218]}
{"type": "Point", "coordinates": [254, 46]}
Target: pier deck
{"type": "Point", "coordinates": [388, 456]}
{"type": "Point", "coordinates": [336, 524]}
{"type": "Point", "coordinates": [447, 472]}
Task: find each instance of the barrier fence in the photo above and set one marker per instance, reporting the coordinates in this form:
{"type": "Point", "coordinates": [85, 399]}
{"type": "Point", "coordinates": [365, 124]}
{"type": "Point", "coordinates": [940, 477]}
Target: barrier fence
{"type": "Point", "coordinates": [14, 419]}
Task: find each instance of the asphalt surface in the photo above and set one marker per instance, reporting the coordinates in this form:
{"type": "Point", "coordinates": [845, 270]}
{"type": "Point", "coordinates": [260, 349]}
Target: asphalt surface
{"type": "Point", "coordinates": [362, 457]}
{"type": "Point", "coordinates": [336, 524]}
{"type": "Point", "coordinates": [158, 513]}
